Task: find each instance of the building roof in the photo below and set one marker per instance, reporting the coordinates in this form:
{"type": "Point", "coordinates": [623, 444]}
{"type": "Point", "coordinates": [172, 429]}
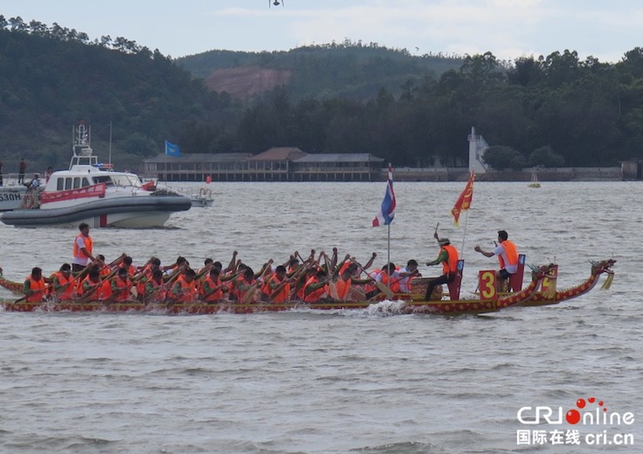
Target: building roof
{"type": "Point", "coordinates": [199, 157]}
{"type": "Point", "coordinates": [340, 157]}
{"type": "Point", "coordinates": [279, 154]}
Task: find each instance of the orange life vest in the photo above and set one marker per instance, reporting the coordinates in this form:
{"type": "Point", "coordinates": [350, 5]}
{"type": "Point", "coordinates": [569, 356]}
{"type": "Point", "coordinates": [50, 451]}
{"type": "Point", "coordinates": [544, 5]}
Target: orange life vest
{"type": "Point", "coordinates": [385, 278]}
{"type": "Point", "coordinates": [151, 289]}
{"type": "Point", "coordinates": [78, 253]}
{"type": "Point", "coordinates": [186, 290]}
{"type": "Point", "coordinates": [283, 294]}
{"type": "Point", "coordinates": [512, 254]}
{"type": "Point", "coordinates": [451, 265]}
{"type": "Point", "coordinates": [211, 284]}
{"type": "Point", "coordinates": [121, 288]}
{"type": "Point", "coordinates": [372, 274]}
{"type": "Point", "coordinates": [316, 294]}
{"type": "Point", "coordinates": [343, 287]}
{"type": "Point", "coordinates": [97, 294]}
{"type": "Point", "coordinates": [68, 292]}
{"type": "Point", "coordinates": [344, 266]}
{"type": "Point", "coordinates": [37, 286]}
{"type": "Point", "coordinates": [241, 288]}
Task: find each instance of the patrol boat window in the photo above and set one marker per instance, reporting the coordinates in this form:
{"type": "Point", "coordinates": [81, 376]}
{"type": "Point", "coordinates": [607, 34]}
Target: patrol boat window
{"type": "Point", "coordinates": [104, 179]}
{"type": "Point", "coordinates": [64, 184]}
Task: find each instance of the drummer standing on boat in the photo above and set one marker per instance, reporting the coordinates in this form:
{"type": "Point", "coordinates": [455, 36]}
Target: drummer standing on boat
{"type": "Point", "coordinates": [448, 257]}
{"type": "Point", "coordinates": [507, 254]}
{"type": "Point", "coordinates": [83, 246]}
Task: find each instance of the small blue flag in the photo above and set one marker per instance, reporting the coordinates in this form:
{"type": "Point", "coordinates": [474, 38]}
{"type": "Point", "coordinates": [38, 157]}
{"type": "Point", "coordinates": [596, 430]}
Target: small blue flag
{"type": "Point", "coordinates": [172, 150]}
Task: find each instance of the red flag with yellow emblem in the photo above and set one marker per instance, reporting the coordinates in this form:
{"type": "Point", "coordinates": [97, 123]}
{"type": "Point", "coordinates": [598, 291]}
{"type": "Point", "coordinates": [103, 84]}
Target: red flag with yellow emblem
{"type": "Point", "coordinates": [464, 201]}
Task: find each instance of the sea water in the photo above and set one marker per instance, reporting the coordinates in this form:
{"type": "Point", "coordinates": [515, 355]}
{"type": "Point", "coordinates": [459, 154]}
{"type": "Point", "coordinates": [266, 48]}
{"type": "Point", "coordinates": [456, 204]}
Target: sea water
{"type": "Point", "coordinates": [342, 381]}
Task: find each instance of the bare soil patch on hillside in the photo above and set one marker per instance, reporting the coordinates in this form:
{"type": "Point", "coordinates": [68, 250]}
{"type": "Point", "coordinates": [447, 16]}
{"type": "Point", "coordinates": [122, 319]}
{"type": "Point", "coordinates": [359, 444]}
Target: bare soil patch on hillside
{"type": "Point", "coordinates": [248, 81]}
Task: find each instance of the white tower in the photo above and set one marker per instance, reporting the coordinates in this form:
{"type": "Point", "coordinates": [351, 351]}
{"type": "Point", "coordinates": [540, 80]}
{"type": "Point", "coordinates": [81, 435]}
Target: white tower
{"type": "Point", "coordinates": [477, 147]}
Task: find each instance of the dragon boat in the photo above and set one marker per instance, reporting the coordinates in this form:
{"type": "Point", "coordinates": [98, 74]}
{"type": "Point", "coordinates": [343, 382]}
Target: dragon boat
{"type": "Point", "coordinates": [490, 301]}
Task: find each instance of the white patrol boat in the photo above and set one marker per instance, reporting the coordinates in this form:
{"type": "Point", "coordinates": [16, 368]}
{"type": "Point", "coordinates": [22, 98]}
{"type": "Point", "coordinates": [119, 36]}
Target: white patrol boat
{"type": "Point", "coordinates": [94, 193]}
{"type": "Point", "coordinates": [11, 194]}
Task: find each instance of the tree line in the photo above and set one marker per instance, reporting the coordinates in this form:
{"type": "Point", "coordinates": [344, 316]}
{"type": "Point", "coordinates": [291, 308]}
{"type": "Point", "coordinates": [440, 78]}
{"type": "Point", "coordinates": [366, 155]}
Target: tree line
{"type": "Point", "coordinates": [552, 111]}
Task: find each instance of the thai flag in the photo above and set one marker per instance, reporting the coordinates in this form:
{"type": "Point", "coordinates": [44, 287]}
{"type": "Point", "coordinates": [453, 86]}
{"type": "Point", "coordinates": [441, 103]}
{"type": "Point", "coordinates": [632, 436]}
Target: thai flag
{"type": "Point", "coordinates": [387, 210]}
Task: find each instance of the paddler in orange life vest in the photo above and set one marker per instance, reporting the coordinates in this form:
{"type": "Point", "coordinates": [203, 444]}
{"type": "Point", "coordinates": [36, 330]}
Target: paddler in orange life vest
{"type": "Point", "coordinates": [244, 284]}
{"type": "Point", "coordinates": [34, 286]}
{"type": "Point", "coordinates": [507, 254]}
{"type": "Point", "coordinates": [211, 288]}
{"type": "Point", "coordinates": [276, 289]}
{"type": "Point", "coordinates": [316, 287]}
{"type": "Point", "coordinates": [345, 282]}
{"type": "Point", "coordinates": [154, 288]}
{"type": "Point", "coordinates": [121, 285]}
{"type": "Point", "coordinates": [144, 276]}
{"type": "Point", "coordinates": [390, 277]}
{"type": "Point", "coordinates": [184, 289]}
{"type": "Point", "coordinates": [127, 263]}
{"type": "Point", "coordinates": [91, 285]}
{"type": "Point", "coordinates": [448, 257]}
{"type": "Point", "coordinates": [82, 249]}
{"type": "Point", "coordinates": [64, 284]}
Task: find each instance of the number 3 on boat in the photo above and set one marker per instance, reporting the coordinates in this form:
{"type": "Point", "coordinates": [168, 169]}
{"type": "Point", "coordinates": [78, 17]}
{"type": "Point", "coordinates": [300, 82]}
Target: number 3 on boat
{"type": "Point", "coordinates": [487, 284]}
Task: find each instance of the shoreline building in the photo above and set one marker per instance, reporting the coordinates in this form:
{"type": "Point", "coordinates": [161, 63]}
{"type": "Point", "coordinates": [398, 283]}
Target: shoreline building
{"type": "Point", "coordinates": [275, 164]}
{"type": "Point", "coordinates": [477, 147]}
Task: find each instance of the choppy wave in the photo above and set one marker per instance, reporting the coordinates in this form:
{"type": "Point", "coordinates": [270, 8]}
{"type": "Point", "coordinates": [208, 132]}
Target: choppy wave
{"type": "Point", "coordinates": [331, 382]}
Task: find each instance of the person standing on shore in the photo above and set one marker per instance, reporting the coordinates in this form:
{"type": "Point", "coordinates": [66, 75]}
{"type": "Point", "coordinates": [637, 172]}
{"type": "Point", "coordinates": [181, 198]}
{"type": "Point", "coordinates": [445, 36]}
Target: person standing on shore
{"type": "Point", "coordinates": [1, 182]}
{"type": "Point", "coordinates": [22, 168]}
{"type": "Point", "coordinates": [83, 245]}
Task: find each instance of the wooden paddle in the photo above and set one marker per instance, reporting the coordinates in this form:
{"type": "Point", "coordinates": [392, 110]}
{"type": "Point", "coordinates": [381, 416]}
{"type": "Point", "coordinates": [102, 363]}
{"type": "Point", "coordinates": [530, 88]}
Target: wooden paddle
{"type": "Point", "coordinates": [382, 288]}
{"type": "Point", "coordinates": [296, 278]}
{"type": "Point", "coordinates": [214, 289]}
{"type": "Point", "coordinates": [87, 295]}
{"type": "Point", "coordinates": [115, 295]}
{"type": "Point", "coordinates": [62, 288]}
{"type": "Point", "coordinates": [174, 277]}
{"type": "Point", "coordinates": [280, 287]}
{"type": "Point", "coordinates": [81, 274]}
{"type": "Point", "coordinates": [19, 300]}
{"type": "Point", "coordinates": [147, 298]}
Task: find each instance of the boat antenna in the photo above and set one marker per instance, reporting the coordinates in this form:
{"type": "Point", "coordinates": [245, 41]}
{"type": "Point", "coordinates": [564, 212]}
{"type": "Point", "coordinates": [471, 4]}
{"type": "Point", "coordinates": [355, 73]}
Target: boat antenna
{"type": "Point", "coordinates": [109, 159]}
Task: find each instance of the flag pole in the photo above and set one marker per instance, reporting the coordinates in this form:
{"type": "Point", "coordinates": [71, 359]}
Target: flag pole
{"type": "Point", "coordinates": [386, 215]}
{"type": "Point", "coordinates": [110, 143]}
{"type": "Point", "coordinates": [388, 256]}
{"type": "Point", "coordinates": [464, 234]}
{"type": "Point", "coordinates": [165, 153]}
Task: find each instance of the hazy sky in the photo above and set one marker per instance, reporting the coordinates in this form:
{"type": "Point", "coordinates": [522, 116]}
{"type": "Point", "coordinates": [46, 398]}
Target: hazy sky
{"type": "Point", "coordinates": [605, 29]}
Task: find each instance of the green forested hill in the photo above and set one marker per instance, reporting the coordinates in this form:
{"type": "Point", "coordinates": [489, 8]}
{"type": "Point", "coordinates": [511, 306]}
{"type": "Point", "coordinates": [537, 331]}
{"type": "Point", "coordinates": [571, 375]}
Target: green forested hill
{"type": "Point", "coordinates": [346, 70]}
{"type": "Point", "coordinates": [49, 82]}
{"type": "Point", "coordinates": [550, 110]}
